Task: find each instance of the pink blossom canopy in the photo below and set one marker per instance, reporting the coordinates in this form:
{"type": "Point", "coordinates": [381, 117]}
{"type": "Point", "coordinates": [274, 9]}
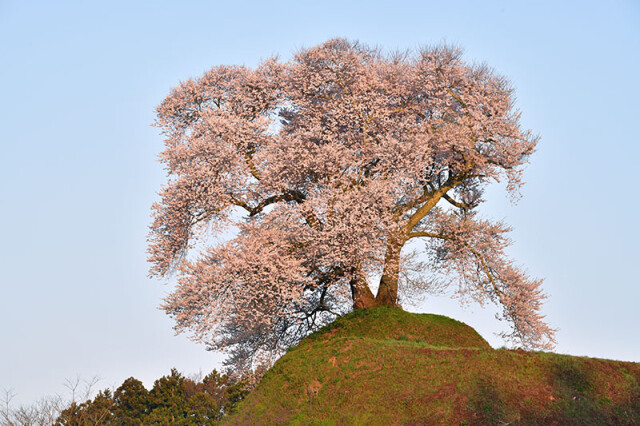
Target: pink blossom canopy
{"type": "Point", "coordinates": [326, 166]}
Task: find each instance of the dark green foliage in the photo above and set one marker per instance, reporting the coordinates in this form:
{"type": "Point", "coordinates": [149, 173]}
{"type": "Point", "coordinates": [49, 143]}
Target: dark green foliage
{"type": "Point", "coordinates": [174, 399]}
{"type": "Point", "coordinates": [131, 402]}
{"type": "Point", "coordinates": [97, 412]}
{"type": "Point", "coordinates": [167, 400]}
{"type": "Point", "coordinates": [203, 408]}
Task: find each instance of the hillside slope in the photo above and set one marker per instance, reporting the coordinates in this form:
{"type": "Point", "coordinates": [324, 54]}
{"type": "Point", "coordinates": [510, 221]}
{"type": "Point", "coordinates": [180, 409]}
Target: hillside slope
{"type": "Point", "coordinates": [387, 366]}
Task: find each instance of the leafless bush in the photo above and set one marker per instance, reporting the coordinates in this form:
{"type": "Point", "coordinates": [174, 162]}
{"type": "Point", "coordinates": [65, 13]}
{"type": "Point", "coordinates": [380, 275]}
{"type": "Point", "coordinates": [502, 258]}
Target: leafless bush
{"type": "Point", "coordinates": [46, 410]}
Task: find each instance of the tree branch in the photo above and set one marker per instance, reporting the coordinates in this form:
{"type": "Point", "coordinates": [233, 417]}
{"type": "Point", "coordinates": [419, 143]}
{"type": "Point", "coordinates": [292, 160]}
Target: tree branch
{"type": "Point", "coordinates": [477, 255]}
{"type": "Point", "coordinates": [458, 204]}
{"type": "Point", "coordinates": [433, 200]}
{"type": "Point", "coordinates": [457, 98]}
{"type": "Point", "coordinates": [240, 203]}
{"type": "Point", "coordinates": [419, 234]}
{"type": "Point", "coordinates": [252, 167]}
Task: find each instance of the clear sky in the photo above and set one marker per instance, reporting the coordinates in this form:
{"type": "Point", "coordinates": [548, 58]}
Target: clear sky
{"type": "Point", "coordinates": [79, 82]}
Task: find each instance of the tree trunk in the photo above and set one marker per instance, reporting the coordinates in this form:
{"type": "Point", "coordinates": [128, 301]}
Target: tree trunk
{"type": "Point", "coordinates": [388, 289]}
{"type": "Point", "coordinates": [363, 298]}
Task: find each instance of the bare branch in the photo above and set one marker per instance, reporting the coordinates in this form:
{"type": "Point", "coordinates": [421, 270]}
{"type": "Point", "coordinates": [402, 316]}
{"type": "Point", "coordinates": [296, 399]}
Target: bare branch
{"type": "Point", "coordinates": [458, 204]}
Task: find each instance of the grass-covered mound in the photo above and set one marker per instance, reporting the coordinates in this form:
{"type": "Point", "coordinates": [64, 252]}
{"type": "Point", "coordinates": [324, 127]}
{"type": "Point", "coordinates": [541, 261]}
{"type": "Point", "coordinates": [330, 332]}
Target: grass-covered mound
{"type": "Point", "coordinates": [396, 324]}
{"type": "Point", "coordinates": [386, 366]}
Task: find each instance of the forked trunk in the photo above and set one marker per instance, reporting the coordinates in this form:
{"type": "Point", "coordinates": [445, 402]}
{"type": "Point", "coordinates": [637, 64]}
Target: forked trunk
{"type": "Point", "coordinates": [363, 298]}
{"type": "Point", "coordinates": [387, 295]}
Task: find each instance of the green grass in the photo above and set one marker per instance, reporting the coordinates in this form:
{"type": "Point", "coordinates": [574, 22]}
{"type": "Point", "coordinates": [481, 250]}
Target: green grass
{"type": "Point", "coordinates": [386, 366]}
{"type": "Point", "coordinates": [395, 324]}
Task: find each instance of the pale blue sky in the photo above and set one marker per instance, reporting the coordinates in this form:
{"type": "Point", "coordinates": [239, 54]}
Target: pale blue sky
{"type": "Point", "coordinates": [79, 82]}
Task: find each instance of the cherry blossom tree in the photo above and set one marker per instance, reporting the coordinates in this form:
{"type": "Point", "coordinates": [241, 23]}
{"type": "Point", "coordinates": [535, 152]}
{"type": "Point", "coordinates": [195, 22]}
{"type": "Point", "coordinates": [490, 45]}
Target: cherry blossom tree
{"type": "Point", "coordinates": [323, 168]}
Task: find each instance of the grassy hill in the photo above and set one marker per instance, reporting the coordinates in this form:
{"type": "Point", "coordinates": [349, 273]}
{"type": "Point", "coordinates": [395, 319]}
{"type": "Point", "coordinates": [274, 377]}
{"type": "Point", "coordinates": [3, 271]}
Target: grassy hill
{"type": "Point", "coordinates": [387, 366]}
